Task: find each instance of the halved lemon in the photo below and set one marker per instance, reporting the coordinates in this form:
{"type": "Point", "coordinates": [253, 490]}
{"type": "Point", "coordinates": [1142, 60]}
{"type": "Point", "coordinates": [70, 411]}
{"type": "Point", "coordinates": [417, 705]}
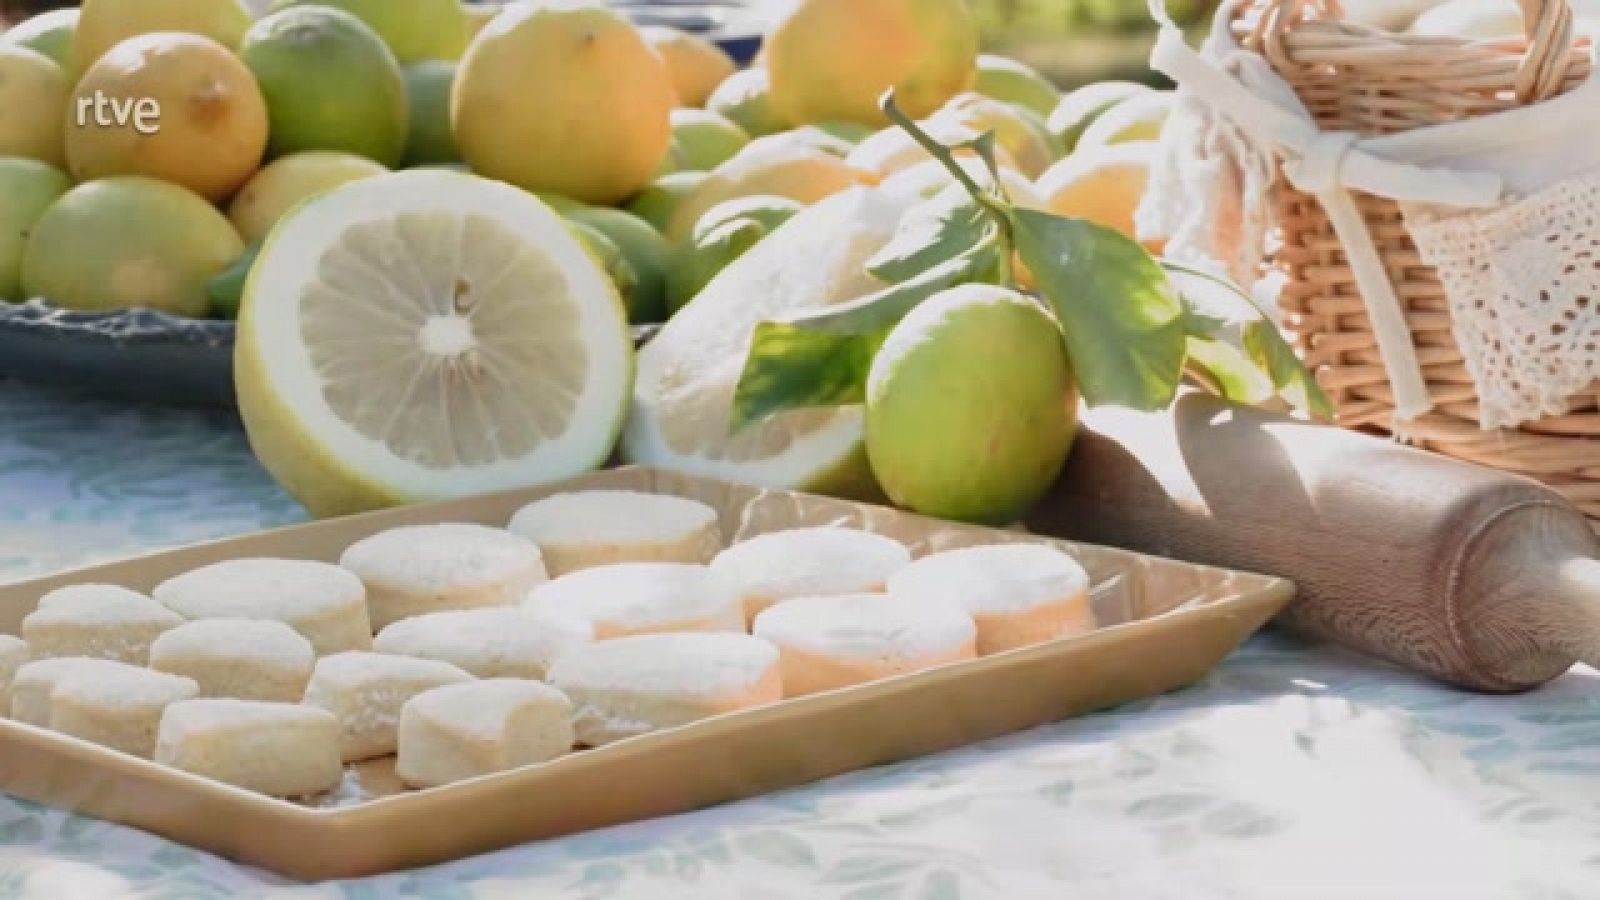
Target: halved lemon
{"type": "Point", "coordinates": [428, 334]}
{"type": "Point", "coordinates": [687, 374]}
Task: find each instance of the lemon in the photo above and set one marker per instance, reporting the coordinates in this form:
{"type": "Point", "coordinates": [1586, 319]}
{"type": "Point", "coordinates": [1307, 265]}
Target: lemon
{"type": "Point", "coordinates": [28, 188]}
{"type": "Point", "coordinates": [1102, 184]}
{"type": "Point", "coordinates": [833, 59]}
{"type": "Point", "coordinates": [971, 406]}
{"type": "Point", "coordinates": [330, 84]}
{"type": "Point", "coordinates": [211, 124]}
{"type": "Point", "coordinates": [1017, 129]}
{"type": "Point", "coordinates": [660, 199]}
{"type": "Point", "coordinates": [479, 15]}
{"type": "Point", "coordinates": [284, 183]}
{"type": "Point", "coordinates": [705, 139]}
{"type": "Point", "coordinates": [647, 253]}
{"type": "Point", "coordinates": [1080, 108]}
{"type": "Point", "coordinates": [695, 65]}
{"type": "Point", "coordinates": [1138, 118]}
{"type": "Point", "coordinates": [1007, 79]}
{"type": "Point", "coordinates": [33, 95]}
{"type": "Point", "coordinates": [926, 179]}
{"type": "Point", "coordinates": [563, 97]}
{"type": "Point", "coordinates": [428, 140]}
{"type": "Point", "coordinates": [428, 334]}
{"type": "Point", "coordinates": [745, 99]}
{"type": "Point", "coordinates": [102, 24]}
{"type": "Point", "coordinates": [683, 395]}
{"type": "Point", "coordinates": [120, 243]}
{"type": "Point", "coordinates": [413, 29]}
{"type": "Point", "coordinates": [782, 164]}
{"type": "Point", "coordinates": [726, 232]}
{"type": "Point", "coordinates": [49, 33]}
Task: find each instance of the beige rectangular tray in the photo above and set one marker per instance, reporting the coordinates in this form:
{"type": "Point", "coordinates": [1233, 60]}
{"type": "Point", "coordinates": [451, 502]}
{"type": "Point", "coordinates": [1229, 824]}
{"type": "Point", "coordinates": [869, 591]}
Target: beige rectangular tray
{"type": "Point", "coordinates": [1164, 624]}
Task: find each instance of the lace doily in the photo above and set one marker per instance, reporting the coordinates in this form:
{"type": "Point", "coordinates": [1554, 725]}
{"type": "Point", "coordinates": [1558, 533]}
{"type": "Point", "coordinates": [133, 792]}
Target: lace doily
{"type": "Point", "coordinates": [1524, 288]}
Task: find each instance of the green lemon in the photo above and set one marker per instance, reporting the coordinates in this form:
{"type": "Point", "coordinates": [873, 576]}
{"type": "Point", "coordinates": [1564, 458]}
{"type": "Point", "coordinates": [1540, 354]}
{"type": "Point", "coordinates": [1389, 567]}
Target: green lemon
{"type": "Point", "coordinates": [971, 406]}
{"type": "Point", "coordinates": [704, 139]}
{"type": "Point", "coordinates": [27, 188]}
{"type": "Point", "coordinates": [646, 251]}
{"type": "Point", "coordinates": [1007, 79]}
{"type": "Point", "coordinates": [50, 33]}
{"type": "Point", "coordinates": [121, 243]}
{"type": "Point", "coordinates": [330, 84]}
{"type": "Point", "coordinates": [429, 140]}
{"type": "Point", "coordinates": [413, 29]}
{"type": "Point", "coordinates": [660, 199]}
{"type": "Point", "coordinates": [745, 99]}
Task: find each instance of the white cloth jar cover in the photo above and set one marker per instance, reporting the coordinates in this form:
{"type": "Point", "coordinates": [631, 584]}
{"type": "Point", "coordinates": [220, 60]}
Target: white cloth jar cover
{"type": "Point", "coordinates": [1504, 206]}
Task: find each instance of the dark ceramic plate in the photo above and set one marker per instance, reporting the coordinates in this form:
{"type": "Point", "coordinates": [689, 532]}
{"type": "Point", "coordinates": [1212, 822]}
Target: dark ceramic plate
{"type": "Point", "coordinates": [135, 355]}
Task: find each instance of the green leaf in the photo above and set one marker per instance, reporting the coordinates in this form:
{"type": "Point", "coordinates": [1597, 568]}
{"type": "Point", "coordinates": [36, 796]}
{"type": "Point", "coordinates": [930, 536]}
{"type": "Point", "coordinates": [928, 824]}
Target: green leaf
{"type": "Point", "coordinates": [1123, 322]}
{"type": "Point", "coordinates": [1230, 372]}
{"type": "Point", "coordinates": [822, 357]}
{"type": "Point", "coordinates": [932, 233]}
{"type": "Point", "coordinates": [1294, 381]}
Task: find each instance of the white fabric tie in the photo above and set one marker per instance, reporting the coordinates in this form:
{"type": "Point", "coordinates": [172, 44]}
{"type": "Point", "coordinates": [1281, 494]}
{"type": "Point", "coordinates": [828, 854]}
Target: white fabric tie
{"type": "Point", "coordinates": [1327, 165]}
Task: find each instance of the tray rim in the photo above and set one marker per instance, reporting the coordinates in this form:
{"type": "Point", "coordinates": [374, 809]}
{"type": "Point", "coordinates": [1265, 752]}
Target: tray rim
{"type": "Point", "coordinates": [1257, 598]}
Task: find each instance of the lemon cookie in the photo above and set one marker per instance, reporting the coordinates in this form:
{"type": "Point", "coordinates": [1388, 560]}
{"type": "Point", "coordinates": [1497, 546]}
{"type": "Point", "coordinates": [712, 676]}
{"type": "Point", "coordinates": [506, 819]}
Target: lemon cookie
{"type": "Point", "coordinates": [432, 568]}
{"type": "Point", "coordinates": [835, 642]}
{"type": "Point", "coordinates": [34, 682]}
{"type": "Point", "coordinates": [807, 562]}
{"type": "Point", "coordinates": [641, 598]}
{"type": "Point", "coordinates": [365, 692]}
{"type": "Point", "coordinates": [279, 749]}
{"type": "Point", "coordinates": [120, 710]}
{"type": "Point", "coordinates": [583, 529]}
{"type": "Point", "coordinates": [324, 602]}
{"type": "Point", "coordinates": [98, 620]}
{"type": "Point", "coordinates": [1018, 594]}
{"type": "Point", "coordinates": [13, 656]}
{"type": "Point", "coordinates": [634, 685]}
{"type": "Point", "coordinates": [248, 659]}
{"type": "Point", "coordinates": [488, 643]}
{"type": "Point", "coordinates": [462, 731]}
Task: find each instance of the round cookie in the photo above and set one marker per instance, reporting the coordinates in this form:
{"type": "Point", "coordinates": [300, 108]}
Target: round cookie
{"type": "Point", "coordinates": [432, 568]}
{"type": "Point", "coordinates": [1018, 594]}
{"type": "Point", "coordinates": [120, 710]}
{"type": "Point", "coordinates": [836, 642]}
{"type": "Point", "coordinates": [488, 643]}
{"type": "Point", "coordinates": [462, 731]}
{"type": "Point", "coordinates": [13, 656]}
{"type": "Point", "coordinates": [640, 598]}
{"type": "Point", "coordinates": [247, 659]}
{"type": "Point", "coordinates": [97, 620]}
{"type": "Point", "coordinates": [583, 529]}
{"type": "Point", "coordinates": [34, 683]}
{"type": "Point", "coordinates": [279, 749]}
{"type": "Point", "coordinates": [634, 685]}
{"type": "Point", "coordinates": [365, 692]}
{"type": "Point", "coordinates": [807, 562]}
{"type": "Point", "coordinates": [325, 603]}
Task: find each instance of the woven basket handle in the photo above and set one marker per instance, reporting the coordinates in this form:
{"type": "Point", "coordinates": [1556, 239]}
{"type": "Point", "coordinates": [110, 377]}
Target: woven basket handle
{"type": "Point", "coordinates": [1551, 28]}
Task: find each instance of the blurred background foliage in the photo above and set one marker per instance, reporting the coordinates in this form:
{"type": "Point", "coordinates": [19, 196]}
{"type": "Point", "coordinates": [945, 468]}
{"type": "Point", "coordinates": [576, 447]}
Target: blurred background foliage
{"type": "Point", "coordinates": [1078, 41]}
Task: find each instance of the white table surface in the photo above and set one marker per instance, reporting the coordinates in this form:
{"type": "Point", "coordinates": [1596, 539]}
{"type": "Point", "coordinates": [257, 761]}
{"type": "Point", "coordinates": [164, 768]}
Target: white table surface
{"type": "Point", "coordinates": [1291, 772]}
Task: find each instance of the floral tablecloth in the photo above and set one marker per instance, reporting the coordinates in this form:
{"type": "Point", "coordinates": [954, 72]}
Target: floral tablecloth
{"type": "Point", "coordinates": [1291, 772]}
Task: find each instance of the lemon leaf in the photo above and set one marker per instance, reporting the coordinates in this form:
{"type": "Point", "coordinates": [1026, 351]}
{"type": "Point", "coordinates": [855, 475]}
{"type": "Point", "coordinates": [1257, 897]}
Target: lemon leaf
{"type": "Point", "coordinates": [934, 232]}
{"type": "Point", "coordinates": [822, 358]}
{"type": "Point", "coordinates": [1123, 321]}
{"type": "Point", "coordinates": [1265, 344]}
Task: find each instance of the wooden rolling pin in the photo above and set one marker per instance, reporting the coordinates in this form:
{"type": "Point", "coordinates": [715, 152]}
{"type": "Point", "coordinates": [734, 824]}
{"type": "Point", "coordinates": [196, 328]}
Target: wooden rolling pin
{"type": "Point", "coordinates": [1484, 580]}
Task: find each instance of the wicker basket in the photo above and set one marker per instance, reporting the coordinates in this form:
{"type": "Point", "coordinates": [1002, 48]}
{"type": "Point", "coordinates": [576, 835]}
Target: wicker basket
{"type": "Point", "coordinates": [1352, 78]}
